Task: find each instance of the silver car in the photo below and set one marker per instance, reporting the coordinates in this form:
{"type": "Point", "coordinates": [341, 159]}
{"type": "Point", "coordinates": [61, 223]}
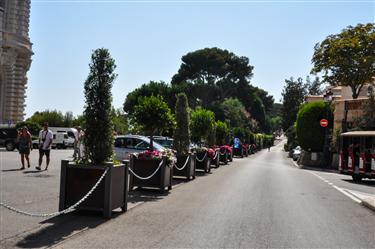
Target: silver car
{"type": "Point", "coordinates": [125, 145]}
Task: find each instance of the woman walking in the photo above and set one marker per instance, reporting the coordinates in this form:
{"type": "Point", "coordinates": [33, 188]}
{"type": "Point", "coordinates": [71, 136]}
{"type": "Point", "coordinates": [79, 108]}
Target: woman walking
{"type": "Point", "coordinates": [24, 146]}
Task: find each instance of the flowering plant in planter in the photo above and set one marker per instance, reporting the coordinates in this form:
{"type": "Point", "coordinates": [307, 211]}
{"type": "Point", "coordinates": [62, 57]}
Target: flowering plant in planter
{"type": "Point", "coordinates": [226, 148]}
{"type": "Point", "coordinates": [158, 155]}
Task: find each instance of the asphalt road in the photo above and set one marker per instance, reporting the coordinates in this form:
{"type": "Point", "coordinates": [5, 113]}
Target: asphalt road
{"type": "Point", "coordinates": [260, 201]}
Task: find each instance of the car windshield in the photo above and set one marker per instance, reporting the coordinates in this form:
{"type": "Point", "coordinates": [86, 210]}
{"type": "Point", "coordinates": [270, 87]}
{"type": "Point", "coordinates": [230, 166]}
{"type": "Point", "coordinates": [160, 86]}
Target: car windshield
{"type": "Point", "coordinates": [164, 142]}
{"type": "Point", "coordinates": [157, 146]}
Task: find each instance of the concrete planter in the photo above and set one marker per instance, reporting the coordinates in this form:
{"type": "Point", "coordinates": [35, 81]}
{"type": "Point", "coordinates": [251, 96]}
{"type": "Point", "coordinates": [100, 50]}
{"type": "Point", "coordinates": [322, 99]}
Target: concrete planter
{"type": "Point", "coordinates": [203, 162]}
{"type": "Point", "coordinates": [245, 152]}
{"type": "Point", "coordinates": [189, 170]}
{"type": "Point", "coordinates": [147, 166]}
{"type": "Point", "coordinates": [77, 180]}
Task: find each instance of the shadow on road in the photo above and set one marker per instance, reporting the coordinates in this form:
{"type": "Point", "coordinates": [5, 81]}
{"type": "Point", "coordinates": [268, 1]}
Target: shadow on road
{"type": "Point", "coordinates": [8, 170]}
{"type": "Point", "coordinates": [60, 228]}
{"type": "Point", "coordinates": [370, 183]}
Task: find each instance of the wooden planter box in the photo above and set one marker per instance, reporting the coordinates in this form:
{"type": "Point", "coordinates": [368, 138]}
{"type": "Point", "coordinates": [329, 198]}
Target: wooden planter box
{"type": "Point", "coordinates": [205, 165]}
{"type": "Point", "coordinates": [189, 170]}
{"type": "Point", "coordinates": [230, 156]}
{"type": "Point", "coordinates": [216, 161]}
{"type": "Point", "coordinates": [245, 152]}
{"type": "Point", "coordinates": [238, 152]}
{"type": "Point", "coordinates": [77, 180]}
{"type": "Point", "coordinates": [224, 158]}
{"type": "Point", "coordinates": [146, 167]}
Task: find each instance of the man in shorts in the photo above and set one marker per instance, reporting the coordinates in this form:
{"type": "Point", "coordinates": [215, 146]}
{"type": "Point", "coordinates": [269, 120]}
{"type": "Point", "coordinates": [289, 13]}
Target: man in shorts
{"type": "Point", "coordinates": [45, 142]}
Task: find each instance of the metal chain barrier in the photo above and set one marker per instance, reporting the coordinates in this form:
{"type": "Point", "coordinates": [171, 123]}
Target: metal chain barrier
{"type": "Point", "coordinates": [65, 211]}
{"type": "Point", "coordinates": [148, 177]}
{"type": "Point", "coordinates": [187, 160]}
{"type": "Point", "coordinates": [216, 154]}
{"type": "Point", "coordinates": [204, 157]}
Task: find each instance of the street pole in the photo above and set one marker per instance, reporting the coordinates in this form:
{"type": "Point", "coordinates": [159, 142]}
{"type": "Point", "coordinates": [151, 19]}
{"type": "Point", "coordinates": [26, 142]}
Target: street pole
{"type": "Point", "coordinates": [326, 156]}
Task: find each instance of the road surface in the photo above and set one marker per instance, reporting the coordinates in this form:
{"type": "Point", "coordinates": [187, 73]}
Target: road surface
{"type": "Point", "coordinates": [260, 201]}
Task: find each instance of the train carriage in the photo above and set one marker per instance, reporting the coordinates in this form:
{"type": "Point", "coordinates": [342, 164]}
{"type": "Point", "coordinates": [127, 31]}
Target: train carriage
{"type": "Point", "coordinates": [357, 154]}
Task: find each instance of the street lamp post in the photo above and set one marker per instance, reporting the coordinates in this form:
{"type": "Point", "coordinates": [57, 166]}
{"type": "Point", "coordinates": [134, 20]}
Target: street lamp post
{"type": "Point", "coordinates": [326, 156]}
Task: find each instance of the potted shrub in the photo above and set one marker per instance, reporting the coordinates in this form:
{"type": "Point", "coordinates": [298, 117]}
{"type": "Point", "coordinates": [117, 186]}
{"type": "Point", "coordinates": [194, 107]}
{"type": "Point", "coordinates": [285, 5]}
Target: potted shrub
{"type": "Point", "coordinates": [153, 115]}
{"type": "Point", "coordinates": [78, 177]}
{"type": "Point", "coordinates": [185, 165]}
{"type": "Point", "coordinates": [202, 122]}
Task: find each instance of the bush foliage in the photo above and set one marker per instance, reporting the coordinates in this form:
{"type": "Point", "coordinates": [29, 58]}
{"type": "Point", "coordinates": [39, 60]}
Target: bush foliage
{"type": "Point", "coordinates": [310, 134]}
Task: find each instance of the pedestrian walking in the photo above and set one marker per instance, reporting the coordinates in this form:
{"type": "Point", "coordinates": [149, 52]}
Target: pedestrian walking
{"type": "Point", "coordinates": [269, 146]}
{"type": "Point", "coordinates": [80, 143]}
{"type": "Point", "coordinates": [45, 142]}
{"type": "Point", "coordinates": [75, 146]}
{"type": "Point", "coordinates": [24, 146]}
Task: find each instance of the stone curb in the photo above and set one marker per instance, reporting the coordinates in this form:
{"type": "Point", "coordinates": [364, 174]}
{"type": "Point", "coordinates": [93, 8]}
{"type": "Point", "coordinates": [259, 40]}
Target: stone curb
{"type": "Point", "coordinates": [369, 202]}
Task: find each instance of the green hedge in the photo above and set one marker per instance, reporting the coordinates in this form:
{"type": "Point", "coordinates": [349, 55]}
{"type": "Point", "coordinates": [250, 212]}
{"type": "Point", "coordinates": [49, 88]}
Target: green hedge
{"type": "Point", "coordinates": [310, 134]}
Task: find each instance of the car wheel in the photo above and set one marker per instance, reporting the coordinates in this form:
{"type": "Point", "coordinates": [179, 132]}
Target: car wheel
{"type": "Point", "coordinates": [10, 146]}
{"type": "Point", "coordinates": [357, 178]}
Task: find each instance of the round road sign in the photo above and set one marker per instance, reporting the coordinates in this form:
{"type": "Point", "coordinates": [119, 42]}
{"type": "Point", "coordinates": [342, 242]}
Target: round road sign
{"type": "Point", "coordinates": [323, 122]}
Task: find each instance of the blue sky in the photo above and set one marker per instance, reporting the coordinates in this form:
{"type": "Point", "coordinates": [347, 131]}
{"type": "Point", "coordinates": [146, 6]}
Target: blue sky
{"type": "Point", "coordinates": [148, 38]}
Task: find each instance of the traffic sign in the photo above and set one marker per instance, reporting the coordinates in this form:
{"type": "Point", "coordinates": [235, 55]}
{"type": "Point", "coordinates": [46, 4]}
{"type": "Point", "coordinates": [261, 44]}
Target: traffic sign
{"type": "Point", "coordinates": [323, 122]}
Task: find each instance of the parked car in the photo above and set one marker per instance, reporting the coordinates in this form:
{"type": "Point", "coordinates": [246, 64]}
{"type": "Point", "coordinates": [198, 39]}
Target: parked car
{"type": "Point", "coordinates": [296, 153]}
{"type": "Point", "coordinates": [166, 142]}
{"type": "Point", "coordinates": [125, 145]}
{"type": "Point", "coordinates": [8, 138]}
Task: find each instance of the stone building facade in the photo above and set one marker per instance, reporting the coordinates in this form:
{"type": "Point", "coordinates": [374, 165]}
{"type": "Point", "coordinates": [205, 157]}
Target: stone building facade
{"type": "Point", "coordinates": [15, 58]}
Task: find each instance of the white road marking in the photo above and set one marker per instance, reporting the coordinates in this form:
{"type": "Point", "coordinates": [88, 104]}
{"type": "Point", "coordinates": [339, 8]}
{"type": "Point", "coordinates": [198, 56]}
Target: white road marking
{"type": "Point", "coordinates": [348, 194]}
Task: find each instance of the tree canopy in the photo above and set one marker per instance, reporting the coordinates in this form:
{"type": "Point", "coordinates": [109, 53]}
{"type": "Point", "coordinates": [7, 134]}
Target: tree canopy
{"type": "Point", "coordinates": [293, 96]}
{"type": "Point", "coordinates": [211, 65]}
{"type": "Point", "coordinates": [347, 58]}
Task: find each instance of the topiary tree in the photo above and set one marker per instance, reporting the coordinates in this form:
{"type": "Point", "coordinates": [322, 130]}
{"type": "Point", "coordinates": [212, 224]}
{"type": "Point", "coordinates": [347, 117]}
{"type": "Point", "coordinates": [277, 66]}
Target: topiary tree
{"type": "Point", "coordinates": [202, 122]}
{"type": "Point", "coordinates": [181, 137]}
{"type": "Point", "coordinates": [97, 113]}
{"type": "Point", "coordinates": [153, 115]}
{"type": "Point", "coordinates": [222, 132]}
{"type": "Point", "coordinates": [211, 138]}
{"type": "Point", "coordinates": [310, 134]}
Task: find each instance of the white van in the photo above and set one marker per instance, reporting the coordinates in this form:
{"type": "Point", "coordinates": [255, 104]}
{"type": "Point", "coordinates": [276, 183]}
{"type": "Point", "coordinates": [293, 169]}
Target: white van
{"type": "Point", "coordinates": [70, 131]}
